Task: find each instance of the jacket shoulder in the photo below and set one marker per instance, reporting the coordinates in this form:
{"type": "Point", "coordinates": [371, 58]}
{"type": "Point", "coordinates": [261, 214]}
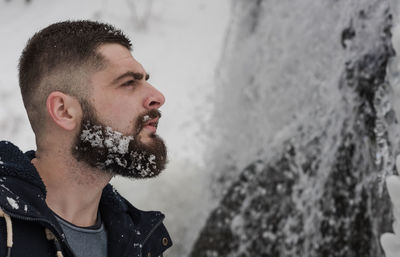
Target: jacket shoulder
{"type": "Point", "coordinates": [147, 227]}
{"type": "Point", "coordinates": [158, 242]}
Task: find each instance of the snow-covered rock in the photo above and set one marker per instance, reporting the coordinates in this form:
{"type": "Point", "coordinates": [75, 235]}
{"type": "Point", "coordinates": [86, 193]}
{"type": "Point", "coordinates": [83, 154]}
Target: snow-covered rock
{"type": "Point", "coordinates": [310, 133]}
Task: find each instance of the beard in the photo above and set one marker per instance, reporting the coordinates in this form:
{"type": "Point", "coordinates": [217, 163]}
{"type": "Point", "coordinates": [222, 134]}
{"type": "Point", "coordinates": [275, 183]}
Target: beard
{"type": "Point", "coordinates": [101, 147]}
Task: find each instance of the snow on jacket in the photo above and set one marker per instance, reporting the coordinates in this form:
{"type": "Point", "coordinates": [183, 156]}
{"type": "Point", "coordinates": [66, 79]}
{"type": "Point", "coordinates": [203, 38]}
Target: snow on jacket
{"type": "Point", "coordinates": [28, 227]}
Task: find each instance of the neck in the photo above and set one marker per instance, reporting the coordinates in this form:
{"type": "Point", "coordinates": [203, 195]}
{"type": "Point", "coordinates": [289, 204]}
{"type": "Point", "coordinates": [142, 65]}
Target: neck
{"type": "Point", "coordinates": [73, 188]}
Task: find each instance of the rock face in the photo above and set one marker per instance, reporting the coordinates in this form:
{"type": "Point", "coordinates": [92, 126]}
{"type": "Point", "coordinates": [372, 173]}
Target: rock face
{"type": "Point", "coordinates": [310, 134]}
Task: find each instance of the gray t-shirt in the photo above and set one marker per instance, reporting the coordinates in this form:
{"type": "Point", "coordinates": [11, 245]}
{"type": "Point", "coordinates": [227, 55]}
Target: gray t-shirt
{"type": "Point", "coordinates": [86, 241]}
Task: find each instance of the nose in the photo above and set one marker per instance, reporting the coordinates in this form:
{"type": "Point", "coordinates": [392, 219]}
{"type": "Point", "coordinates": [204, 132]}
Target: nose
{"type": "Point", "coordinates": [154, 100]}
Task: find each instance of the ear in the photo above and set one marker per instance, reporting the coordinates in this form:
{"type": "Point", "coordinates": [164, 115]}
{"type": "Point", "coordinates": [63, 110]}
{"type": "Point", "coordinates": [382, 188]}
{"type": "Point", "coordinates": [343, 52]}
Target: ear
{"type": "Point", "coordinates": [64, 110]}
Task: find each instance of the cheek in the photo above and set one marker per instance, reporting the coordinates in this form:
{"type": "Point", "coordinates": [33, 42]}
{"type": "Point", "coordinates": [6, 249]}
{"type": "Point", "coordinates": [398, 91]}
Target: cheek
{"type": "Point", "coordinates": [119, 115]}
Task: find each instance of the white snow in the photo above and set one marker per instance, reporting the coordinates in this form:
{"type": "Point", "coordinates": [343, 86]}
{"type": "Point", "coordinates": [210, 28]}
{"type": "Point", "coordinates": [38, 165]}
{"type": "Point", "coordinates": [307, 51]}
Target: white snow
{"type": "Point", "coordinates": [6, 188]}
{"type": "Point", "coordinates": [391, 241]}
{"type": "Point", "coordinates": [121, 142]}
{"type": "Point", "coordinates": [152, 159]}
{"type": "Point", "coordinates": [13, 203]}
{"type": "Point", "coordinates": [93, 135]}
{"type": "Point", "coordinates": [146, 118]}
{"type": "Point", "coordinates": [113, 140]}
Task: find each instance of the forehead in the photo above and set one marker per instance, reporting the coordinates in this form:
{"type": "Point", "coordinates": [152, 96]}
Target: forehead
{"type": "Point", "coordinates": [119, 59]}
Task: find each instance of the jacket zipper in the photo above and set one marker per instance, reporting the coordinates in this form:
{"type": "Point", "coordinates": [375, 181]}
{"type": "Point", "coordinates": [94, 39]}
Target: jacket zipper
{"type": "Point", "coordinates": [13, 215]}
{"type": "Point", "coordinates": [151, 232]}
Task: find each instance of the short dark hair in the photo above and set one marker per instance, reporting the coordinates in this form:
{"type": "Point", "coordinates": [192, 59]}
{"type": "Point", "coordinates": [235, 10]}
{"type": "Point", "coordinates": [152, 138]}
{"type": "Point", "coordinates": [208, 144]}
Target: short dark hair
{"type": "Point", "coordinates": [58, 58]}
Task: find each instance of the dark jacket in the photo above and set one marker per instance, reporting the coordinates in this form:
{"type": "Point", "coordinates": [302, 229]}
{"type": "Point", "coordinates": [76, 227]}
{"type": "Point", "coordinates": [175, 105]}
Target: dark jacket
{"type": "Point", "coordinates": [131, 232]}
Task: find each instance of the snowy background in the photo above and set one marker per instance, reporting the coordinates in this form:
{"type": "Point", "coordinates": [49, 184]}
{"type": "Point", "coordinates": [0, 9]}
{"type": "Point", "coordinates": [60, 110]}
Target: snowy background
{"type": "Point", "coordinates": [287, 107]}
{"type": "Point", "coordinates": [179, 42]}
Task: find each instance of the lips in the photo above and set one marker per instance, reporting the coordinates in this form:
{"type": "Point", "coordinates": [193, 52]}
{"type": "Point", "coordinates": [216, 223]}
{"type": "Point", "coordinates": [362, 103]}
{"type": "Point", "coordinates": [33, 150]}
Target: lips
{"type": "Point", "coordinates": [148, 121]}
{"type": "Point", "coordinates": [151, 124]}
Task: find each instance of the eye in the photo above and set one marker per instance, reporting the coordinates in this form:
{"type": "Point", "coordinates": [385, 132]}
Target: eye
{"type": "Point", "coordinates": [128, 83]}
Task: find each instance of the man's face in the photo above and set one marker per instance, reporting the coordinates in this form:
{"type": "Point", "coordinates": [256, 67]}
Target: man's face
{"type": "Point", "coordinates": [120, 117]}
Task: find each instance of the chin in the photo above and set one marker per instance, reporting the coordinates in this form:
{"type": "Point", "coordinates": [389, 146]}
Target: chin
{"type": "Point", "coordinates": [149, 138]}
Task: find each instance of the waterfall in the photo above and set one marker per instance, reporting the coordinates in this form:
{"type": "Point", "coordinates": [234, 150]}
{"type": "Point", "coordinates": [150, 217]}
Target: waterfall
{"type": "Point", "coordinates": [304, 130]}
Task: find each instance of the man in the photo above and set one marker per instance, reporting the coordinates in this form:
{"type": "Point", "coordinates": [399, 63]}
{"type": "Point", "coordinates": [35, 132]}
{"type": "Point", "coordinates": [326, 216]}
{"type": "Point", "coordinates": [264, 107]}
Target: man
{"type": "Point", "coordinates": [94, 116]}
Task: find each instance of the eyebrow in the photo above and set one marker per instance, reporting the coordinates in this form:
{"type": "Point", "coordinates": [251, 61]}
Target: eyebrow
{"type": "Point", "coordinates": [135, 75]}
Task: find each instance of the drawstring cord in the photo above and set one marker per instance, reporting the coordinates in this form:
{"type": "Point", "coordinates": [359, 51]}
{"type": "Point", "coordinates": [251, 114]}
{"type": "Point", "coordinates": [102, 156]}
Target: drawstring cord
{"type": "Point", "coordinates": [51, 236]}
{"type": "Point", "coordinates": [9, 231]}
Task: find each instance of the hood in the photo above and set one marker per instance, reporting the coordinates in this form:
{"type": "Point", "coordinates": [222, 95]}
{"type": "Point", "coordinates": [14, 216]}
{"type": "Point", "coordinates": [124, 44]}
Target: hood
{"type": "Point", "coordinates": [14, 163]}
{"type": "Point", "coordinates": [22, 191]}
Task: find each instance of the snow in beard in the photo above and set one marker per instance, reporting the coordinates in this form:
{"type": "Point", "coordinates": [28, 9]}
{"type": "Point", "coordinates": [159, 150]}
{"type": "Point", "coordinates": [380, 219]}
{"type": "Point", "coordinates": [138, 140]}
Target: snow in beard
{"type": "Point", "coordinates": [146, 118]}
{"type": "Point", "coordinates": [116, 152]}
